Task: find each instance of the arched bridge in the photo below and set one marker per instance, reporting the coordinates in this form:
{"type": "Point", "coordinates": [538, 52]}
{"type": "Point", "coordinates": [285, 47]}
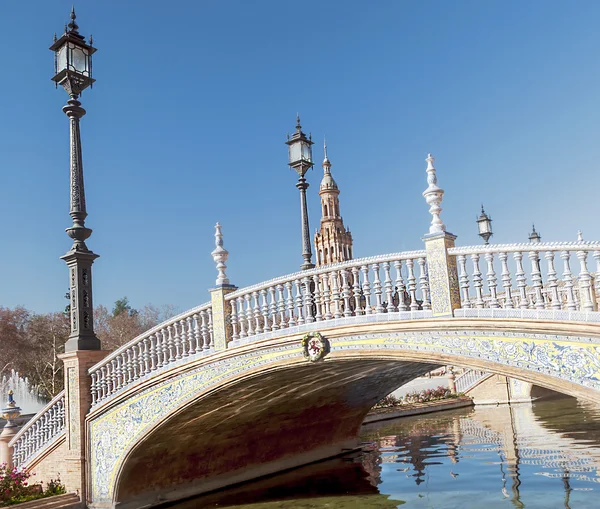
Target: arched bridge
{"type": "Point", "coordinates": [225, 392]}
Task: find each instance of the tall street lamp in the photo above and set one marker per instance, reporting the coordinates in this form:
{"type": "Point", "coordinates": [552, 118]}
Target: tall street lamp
{"type": "Point", "coordinates": [535, 237]}
{"type": "Point", "coordinates": [73, 71]}
{"type": "Point", "coordinates": [300, 159]}
{"type": "Point", "coordinates": [484, 223]}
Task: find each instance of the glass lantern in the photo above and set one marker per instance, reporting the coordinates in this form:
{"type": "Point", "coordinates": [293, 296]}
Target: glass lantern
{"type": "Point", "coordinates": [484, 223]}
{"type": "Point", "coordinates": [73, 61]}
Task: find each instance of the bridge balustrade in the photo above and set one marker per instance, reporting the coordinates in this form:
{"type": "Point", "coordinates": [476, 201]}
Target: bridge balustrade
{"type": "Point", "coordinates": [469, 379]}
{"type": "Point", "coordinates": [41, 432]}
{"type": "Point", "coordinates": [172, 342]}
{"type": "Point", "coordinates": [527, 292]}
{"type": "Point", "coordinates": [365, 286]}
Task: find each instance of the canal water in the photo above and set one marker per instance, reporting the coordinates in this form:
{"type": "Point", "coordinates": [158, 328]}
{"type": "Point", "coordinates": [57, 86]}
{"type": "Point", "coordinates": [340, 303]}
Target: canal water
{"type": "Point", "coordinates": [545, 455]}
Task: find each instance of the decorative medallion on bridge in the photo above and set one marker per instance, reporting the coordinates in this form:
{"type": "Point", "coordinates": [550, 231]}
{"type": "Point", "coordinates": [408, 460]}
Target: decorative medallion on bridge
{"type": "Point", "coordinates": [314, 346]}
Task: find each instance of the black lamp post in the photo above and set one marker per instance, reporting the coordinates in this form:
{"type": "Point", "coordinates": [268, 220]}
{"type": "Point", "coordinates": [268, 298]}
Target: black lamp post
{"type": "Point", "coordinates": [484, 223]}
{"type": "Point", "coordinates": [73, 71]}
{"type": "Point", "coordinates": [300, 159]}
{"type": "Point", "coordinates": [535, 237]}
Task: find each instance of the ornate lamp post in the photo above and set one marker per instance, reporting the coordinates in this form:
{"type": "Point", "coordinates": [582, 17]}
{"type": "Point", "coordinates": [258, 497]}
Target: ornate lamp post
{"type": "Point", "coordinates": [73, 71]}
{"type": "Point", "coordinates": [484, 223]}
{"type": "Point", "coordinates": [535, 237]}
{"type": "Point", "coordinates": [300, 159]}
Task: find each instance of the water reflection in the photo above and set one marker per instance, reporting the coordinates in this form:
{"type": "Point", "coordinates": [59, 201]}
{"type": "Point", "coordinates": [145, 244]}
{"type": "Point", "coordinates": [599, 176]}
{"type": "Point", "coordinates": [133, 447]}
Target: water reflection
{"type": "Point", "coordinates": [545, 455]}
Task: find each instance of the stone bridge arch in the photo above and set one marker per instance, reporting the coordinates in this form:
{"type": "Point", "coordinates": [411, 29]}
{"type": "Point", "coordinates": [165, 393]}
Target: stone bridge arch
{"type": "Point", "coordinates": [185, 422]}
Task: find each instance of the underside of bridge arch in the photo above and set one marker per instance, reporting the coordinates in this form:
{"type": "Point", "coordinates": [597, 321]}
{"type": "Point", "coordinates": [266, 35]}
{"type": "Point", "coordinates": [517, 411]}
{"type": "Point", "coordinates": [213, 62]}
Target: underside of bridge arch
{"type": "Point", "coordinates": [259, 425]}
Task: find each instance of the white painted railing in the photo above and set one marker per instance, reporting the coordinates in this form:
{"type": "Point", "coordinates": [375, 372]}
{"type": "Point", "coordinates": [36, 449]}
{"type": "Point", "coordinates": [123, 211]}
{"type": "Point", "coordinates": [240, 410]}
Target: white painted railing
{"type": "Point", "coordinates": [529, 285]}
{"type": "Point", "coordinates": [41, 431]}
{"type": "Point", "coordinates": [189, 334]}
{"type": "Point", "coordinates": [363, 286]}
{"type": "Point", "coordinates": [469, 379]}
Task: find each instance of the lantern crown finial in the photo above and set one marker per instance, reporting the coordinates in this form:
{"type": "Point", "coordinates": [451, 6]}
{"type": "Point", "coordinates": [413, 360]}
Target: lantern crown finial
{"type": "Point", "coordinates": [73, 26]}
{"type": "Point", "coordinates": [298, 126]}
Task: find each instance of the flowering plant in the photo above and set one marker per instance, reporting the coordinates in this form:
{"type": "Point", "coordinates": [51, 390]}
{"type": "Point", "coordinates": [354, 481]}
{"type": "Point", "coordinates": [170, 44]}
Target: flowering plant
{"type": "Point", "coordinates": [13, 482]}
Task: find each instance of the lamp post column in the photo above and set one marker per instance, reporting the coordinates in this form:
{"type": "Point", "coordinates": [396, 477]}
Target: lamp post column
{"type": "Point", "coordinates": [79, 259]}
{"type": "Point", "coordinates": [302, 185]}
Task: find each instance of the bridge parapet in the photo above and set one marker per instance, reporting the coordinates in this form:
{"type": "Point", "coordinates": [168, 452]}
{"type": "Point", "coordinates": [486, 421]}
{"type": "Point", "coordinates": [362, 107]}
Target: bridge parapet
{"type": "Point", "coordinates": [178, 340]}
{"type": "Point", "coordinates": [40, 432]}
{"type": "Point", "coordinates": [351, 288]}
{"type": "Point", "coordinates": [526, 288]}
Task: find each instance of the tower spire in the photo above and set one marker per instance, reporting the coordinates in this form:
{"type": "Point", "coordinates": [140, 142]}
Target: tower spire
{"type": "Point", "coordinates": [333, 242]}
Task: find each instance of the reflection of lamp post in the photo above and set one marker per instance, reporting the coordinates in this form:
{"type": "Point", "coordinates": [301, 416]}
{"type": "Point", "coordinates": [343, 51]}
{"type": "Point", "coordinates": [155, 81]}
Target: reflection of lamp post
{"type": "Point", "coordinates": [73, 71]}
{"type": "Point", "coordinates": [300, 159]}
{"type": "Point", "coordinates": [10, 412]}
{"type": "Point", "coordinates": [484, 223]}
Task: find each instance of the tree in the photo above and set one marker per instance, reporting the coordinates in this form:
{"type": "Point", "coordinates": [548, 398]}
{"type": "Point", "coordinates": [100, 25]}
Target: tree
{"type": "Point", "coordinates": [122, 306]}
{"type": "Point", "coordinates": [46, 338]}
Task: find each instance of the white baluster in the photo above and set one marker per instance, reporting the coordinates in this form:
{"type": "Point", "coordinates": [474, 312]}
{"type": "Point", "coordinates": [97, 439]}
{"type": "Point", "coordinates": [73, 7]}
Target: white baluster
{"type": "Point", "coordinates": [586, 298]}
{"type": "Point", "coordinates": [318, 303]}
{"type": "Point", "coordinates": [346, 294]}
{"type": "Point", "coordinates": [506, 281]}
{"type": "Point", "coordinates": [424, 283]}
{"type": "Point", "coordinates": [290, 304]}
{"type": "Point", "coordinates": [492, 281]}
{"type": "Point", "coordinates": [464, 281]}
{"type": "Point", "coordinates": [521, 280]}
{"type": "Point", "coordinates": [400, 286]}
{"type": "Point", "coordinates": [336, 295]}
{"type": "Point", "coordinates": [327, 297]}
{"type": "Point", "coordinates": [388, 286]}
{"type": "Point", "coordinates": [308, 299]}
{"type": "Point", "coordinates": [249, 314]}
{"type": "Point", "coordinates": [183, 339]}
{"type": "Point", "coordinates": [412, 285]}
{"type": "Point", "coordinates": [204, 330]}
{"type": "Point", "coordinates": [536, 278]}
{"type": "Point", "coordinates": [129, 366]}
{"type": "Point", "coordinates": [264, 310]}
{"type": "Point", "coordinates": [256, 312]}
{"type": "Point", "coordinates": [146, 355]}
{"type": "Point", "coordinates": [356, 291]}
{"type": "Point", "coordinates": [596, 255]}
{"type": "Point", "coordinates": [241, 318]}
{"type": "Point", "coordinates": [377, 289]}
{"type": "Point", "coordinates": [273, 308]}
{"type": "Point", "coordinates": [299, 301]}
{"type": "Point", "coordinates": [281, 306]}
{"type": "Point", "coordinates": [197, 333]}
{"type": "Point", "coordinates": [210, 329]}
{"type": "Point", "coordinates": [552, 281]}
{"type": "Point", "coordinates": [234, 320]}
{"type": "Point", "coordinates": [477, 281]}
{"type": "Point", "coordinates": [94, 388]}
{"type": "Point", "coordinates": [366, 286]}
{"type": "Point", "coordinates": [170, 344]}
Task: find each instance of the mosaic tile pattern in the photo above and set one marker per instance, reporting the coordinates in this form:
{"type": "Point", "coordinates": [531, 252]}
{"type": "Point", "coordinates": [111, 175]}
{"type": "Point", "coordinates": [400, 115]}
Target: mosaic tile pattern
{"type": "Point", "coordinates": [114, 433]}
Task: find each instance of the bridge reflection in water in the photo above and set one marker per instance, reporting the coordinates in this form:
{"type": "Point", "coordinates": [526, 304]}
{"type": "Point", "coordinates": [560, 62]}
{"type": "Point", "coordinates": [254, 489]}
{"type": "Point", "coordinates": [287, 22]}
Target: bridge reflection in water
{"type": "Point", "coordinates": [545, 455]}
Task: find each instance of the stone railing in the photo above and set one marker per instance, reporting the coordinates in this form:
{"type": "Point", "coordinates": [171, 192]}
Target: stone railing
{"type": "Point", "coordinates": [511, 283]}
{"type": "Point", "coordinates": [365, 286]}
{"type": "Point", "coordinates": [469, 379]}
{"type": "Point", "coordinates": [169, 343]}
{"type": "Point", "coordinates": [40, 432]}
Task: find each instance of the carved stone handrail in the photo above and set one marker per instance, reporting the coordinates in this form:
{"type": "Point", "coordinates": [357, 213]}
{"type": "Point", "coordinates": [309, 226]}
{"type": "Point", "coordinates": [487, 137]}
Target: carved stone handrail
{"type": "Point", "coordinates": [469, 379]}
{"type": "Point", "coordinates": [364, 286]}
{"type": "Point", "coordinates": [46, 426]}
{"type": "Point", "coordinates": [526, 247]}
{"type": "Point", "coordinates": [526, 276]}
{"type": "Point", "coordinates": [188, 334]}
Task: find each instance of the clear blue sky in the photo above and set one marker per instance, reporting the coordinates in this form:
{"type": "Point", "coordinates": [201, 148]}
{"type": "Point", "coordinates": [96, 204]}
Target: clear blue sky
{"type": "Point", "coordinates": [187, 122]}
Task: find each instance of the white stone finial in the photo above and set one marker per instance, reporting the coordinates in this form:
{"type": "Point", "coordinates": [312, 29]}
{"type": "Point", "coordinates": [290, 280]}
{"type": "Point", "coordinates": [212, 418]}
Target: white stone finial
{"type": "Point", "coordinates": [220, 255]}
{"type": "Point", "coordinates": [433, 196]}
{"type": "Point", "coordinates": [579, 236]}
